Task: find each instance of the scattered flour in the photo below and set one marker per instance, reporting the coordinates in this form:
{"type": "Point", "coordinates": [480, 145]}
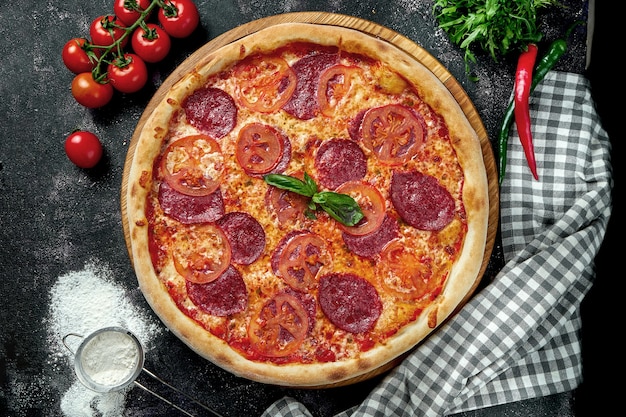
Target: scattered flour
{"type": "Point", "coordinates": [82, 302]}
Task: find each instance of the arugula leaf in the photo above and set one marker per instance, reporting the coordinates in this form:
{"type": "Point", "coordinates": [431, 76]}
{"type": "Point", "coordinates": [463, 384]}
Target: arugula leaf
{"type": "Point", "coordinates": [340, 207]}
{"type": "Point", "coordinates": [495, 26]}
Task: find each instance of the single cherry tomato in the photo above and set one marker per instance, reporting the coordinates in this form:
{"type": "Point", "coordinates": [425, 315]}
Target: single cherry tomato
{"type": "Point", "coordinates": [89, 92]}
{"type": "Point", "coordinates": [83, 148]}
{"type": "Point", "coordinates": [267, 83]}
{"type": "Point", "coordinates": [151, 44]}
{"type": "Point", "coordinates": [128, 11]}
{"type": "Point", "coordinates": [335, 83]}
{"type": "Point", "coordinates": [203, 254]}
{"type": "Point", "coordinates": [302, 259]}
{"type": "Point", "coordinates": [279, 327]}
{"type": "Point", "coordinates": [393, 132]}
{"type": "Point", "coordinates": [78, 56]}
{"type": "Point", "coordinates": [259, 148]}
{"type": "Point", "coordinates": [128, 74]}
{"type": "Point", "coordinates": [105, 30]}
{"type": "Point", "coordinates": [193, 165]}
{"type": "Point", "coordinates": [372, 204]}
{"type": "Point", "coordinates": [179, 18]}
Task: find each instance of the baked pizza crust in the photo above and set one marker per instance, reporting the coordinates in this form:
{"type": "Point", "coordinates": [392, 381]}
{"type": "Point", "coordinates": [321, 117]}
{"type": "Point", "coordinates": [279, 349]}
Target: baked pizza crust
{"type": "Point", "coordinates": [459, 284]}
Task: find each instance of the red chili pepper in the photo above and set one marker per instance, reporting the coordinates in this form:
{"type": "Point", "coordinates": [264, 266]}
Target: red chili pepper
{"type": "Point", "coordinates": [523, 82]}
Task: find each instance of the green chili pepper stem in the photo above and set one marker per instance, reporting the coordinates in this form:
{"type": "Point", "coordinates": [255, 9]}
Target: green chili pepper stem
{"type": "Point", "coordinates": [555, 52]}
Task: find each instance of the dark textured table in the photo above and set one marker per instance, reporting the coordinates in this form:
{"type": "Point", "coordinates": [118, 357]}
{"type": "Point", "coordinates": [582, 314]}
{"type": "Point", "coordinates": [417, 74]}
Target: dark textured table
{"type": "Point", "coordinates": [61, 234]}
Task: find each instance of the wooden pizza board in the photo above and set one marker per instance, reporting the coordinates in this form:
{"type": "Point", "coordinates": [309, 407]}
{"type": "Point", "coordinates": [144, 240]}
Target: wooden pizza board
{"type": "Point", "coordinates": [379, 32]}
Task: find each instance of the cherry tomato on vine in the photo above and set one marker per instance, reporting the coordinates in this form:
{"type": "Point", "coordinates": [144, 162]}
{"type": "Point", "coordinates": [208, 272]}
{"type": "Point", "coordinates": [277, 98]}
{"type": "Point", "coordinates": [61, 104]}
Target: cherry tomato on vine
{"type": "Point", "coordinates": [128, 74]}
{"type": "Point", "coordinates": [76, 58]}
{"type": "Point", "coordinates": [89, 92]}
{"type": "Point", "coordinates": [151, 44]}
{"type": "Point", "coordinates": [104, 30]}
{"type": "Point", "coordinates": [128, 11]}
{"type": "Point", "coordinates": [83, 148]}
{"type": "Point", "coordinates": [179, 18]}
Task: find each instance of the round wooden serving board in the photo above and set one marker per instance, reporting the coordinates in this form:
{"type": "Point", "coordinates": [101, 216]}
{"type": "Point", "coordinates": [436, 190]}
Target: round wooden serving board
{"type": "Point", "coordinates": [367, 27]}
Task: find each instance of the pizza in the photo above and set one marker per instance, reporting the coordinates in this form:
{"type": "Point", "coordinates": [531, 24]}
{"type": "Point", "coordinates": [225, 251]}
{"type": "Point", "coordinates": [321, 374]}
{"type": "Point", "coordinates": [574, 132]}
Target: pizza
{"type": "Point", "coordinates": [306, 205]}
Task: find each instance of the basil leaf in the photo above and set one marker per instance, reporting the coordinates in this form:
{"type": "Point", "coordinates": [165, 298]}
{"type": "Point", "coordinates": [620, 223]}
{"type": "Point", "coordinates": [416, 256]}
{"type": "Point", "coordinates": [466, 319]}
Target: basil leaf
{"type": "Point", "coordinates": [310, 183]}
{"type": "Point", "coordinates": [286, 182]}
{"type": "Point", "coordinates": [340, 207]}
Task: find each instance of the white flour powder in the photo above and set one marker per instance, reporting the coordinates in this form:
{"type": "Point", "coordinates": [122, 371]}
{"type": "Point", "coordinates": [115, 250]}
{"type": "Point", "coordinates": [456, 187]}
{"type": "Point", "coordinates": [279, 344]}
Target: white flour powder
{"type": "Point", "coordinates": [83, 302]}
{"type": "Point", "coordinates": [110, 358]}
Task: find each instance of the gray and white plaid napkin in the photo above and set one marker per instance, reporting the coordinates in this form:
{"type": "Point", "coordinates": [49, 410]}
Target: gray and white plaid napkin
{"type": "Point", "coordinates": [519, 337]}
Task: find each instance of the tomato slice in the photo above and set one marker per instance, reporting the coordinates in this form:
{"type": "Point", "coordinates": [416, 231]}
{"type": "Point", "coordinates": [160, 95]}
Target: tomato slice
{"type": "Point", "coordinates": [266, 83]}
{"type": "Point", "coordinates": [393, 132]}
{"type": "Point", "coordinates": [372, 205]}
{"type": "Point", "coordinates": [411, 275]}
{"type": "Point", "coordinates": [302, 259]}
{"type": "Point", "coordinates": [335, 83]}
{"type": "Point", "coordinates": [279, 327]}
{"type": "Point", "coordinates": [193, 165]}
{"type": "Point", "coordinates": [202, 254]}
{"type": "Point", "coordinates": [259, 148]}
{"type": "Point", "coordinates": [288, 206]}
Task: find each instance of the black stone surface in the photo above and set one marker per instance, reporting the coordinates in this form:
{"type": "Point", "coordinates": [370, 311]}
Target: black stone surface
{"type": "Point", "coordinates": [56, 218]}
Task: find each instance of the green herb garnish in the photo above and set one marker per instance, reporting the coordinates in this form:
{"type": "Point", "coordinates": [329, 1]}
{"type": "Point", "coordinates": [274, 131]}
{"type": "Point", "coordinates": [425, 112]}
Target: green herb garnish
{"type": "Point", "coordinates": [340, 207]}
{"type": "Point", "coordinates": [496, 26]}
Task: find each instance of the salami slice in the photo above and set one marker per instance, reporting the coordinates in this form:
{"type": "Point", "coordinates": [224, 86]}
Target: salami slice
{"type": "Point", "coordinates": [189, 209]}
{"type": "Point", "coordinates": [303, 103]}
{"type": "Point", "coordinates": [222, 297]}
{"type": "Point", "coordinates": [245, 235]}
{"type": "Point", "coordinates": [421, 201]}
{"type": "Point", "coordinates": [368, 246]}
{"type": "Point", "coordinates": [211, 110]}
{"type": "Point", "coordinates": [350, 302]}
{"type": "Point", "coordinates": [338, 161]}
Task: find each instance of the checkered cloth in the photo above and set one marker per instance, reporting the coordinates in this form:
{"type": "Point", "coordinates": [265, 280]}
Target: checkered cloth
{"type": "Point", "coordinates": [518, 338]}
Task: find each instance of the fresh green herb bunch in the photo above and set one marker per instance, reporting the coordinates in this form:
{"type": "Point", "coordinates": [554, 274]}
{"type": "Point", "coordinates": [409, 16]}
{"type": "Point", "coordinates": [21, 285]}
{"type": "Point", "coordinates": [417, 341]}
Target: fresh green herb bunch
{"type": "Point", "coordinates": [496, 26]}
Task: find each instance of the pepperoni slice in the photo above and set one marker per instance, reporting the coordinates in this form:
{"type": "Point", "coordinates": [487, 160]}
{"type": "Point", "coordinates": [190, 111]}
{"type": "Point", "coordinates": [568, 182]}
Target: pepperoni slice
{"type": "Point", "coordinates": [368, 246]}
{"type": "Point", "coordinates": [303, 103]}
{"type": "Point", "coordinates": [222, 297]}
{"type": "Point", "coordinates": [259, 148]}
{"type": "Point", "coordinates": [245, 236]}
{"type": "Point", "coordinates": [421, 201]}
{"type": "Point", "coordinates": [300, 259]}
{"type": "Point", "coordinates": [190, 209]}
{"type": "Point", "coordinates": [202, 253]}
{"type": "Point", "coordinates": [338, 161]}
{"type": "Point", "coordinates": [193, 165]}
{"type": "Point", "coordinates": [350, 302]}
{"type": "Point", "coordinates": [211, 110]}
{"type": "Point", "coordinates": [394, 132]}
{"type": "Point", "coordinates": [279, 327]}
